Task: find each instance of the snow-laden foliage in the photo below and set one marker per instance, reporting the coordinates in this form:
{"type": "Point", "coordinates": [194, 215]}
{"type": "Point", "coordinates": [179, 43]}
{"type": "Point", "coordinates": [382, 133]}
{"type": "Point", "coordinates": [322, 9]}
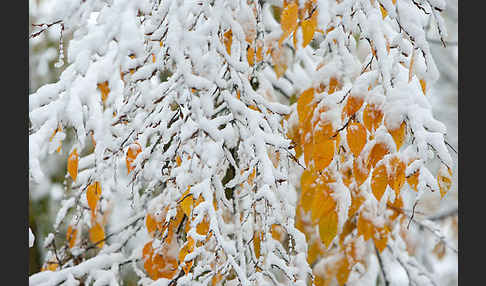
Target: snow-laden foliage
{"type": "Point", "coordinates": [191, 123]}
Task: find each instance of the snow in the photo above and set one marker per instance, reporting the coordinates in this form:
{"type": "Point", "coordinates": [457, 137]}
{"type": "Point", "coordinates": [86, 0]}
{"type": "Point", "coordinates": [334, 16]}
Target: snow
{"type": "Point", "coordinates": [31, 238]}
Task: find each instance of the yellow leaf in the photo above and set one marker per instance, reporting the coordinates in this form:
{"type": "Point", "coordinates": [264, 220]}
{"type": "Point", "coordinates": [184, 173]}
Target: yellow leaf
{"type": "Point", "coordinates": [203, 227]}
{"type": "Point", "coordinates": [147, 254]}
{"type": "Point", "coordinates": [372, 117]}
{"type": "Point", "coordinates": [360, 171]}
{"type": "Point", "coordinates": [307, 179]}
{"type": "Point", "coordinates": [377, 153]}
{"type": "Point", "coordinates": [185, 250]}
{"type": "Point", "coordinates": [323, 153]}
{"type": "Point", "coordinates": [164, 266]}
{"type": "Point", "coordinates": [72, 164]}
{"type": "Point", "coordinates": [151, 224]}
{"type": "Point", "coordinates": [356, 137]}
{"type": "Point", "coordinates": [313, 252]}
{"type": "Point", "coordinates": [279, 61]}
{"type": "Point", "coordinates": [71, 236]}
{"type": "Point", "coordinates": [379, 181]}
{"type": "Point", "coordinates": [277, 232]}
{"type": "Point", "coordinates": [412, 180]}
{"type": "Point", "coordinates": [365, 228]}
{"type": "Point", "coordinates": [356, 201]}
{"type": "Point", "coordinates": [322, 203]}
{"type": "Point", "coordinates": [396, 174]}
{"type": "Point", "coordinates": [383, 12]}
{"type": "Point", "coordinates": [398, 134]}
{"type": "Point", "coordinates": [93, 195]}
{"type": "Point", "coordinates": [288, 20]}
{"type": "Point", "coordinates": [395, 207]}
{"type": "Point", "coordinates": [380, 238]}
{"type": "Point", "coordinates": [228, 39]}
{"type": "Point", "coordinates": [251, 177]}
{"type": "Point", "coordinates": [257, 243]}
{"type": "Point", "coordinates": [303, 104]}
{"type": "Point", "coordinates": [308, 28]}
{"type": "Point", "coordinates": [216, 279]}
{"type": "Point", "coordinates": [250, 55]}
{"type": "Point", "coordinates": [328, 227]}
{"type": "Point", "coordinates": [103, 87]}
{"type": "Point", "coordinates": [423, 84]}
{"type": "Point", "coordinates": [444, 180]}
{"type": "Point", "coordinates": [333, 83]}
{"type": "Point", "coordinates": [353, 104]}
{"type": "Point", "coordinates": [187, 201]}
{"type": "Point", "coordinates": [343, 270]}
{"type": "Point", "coordinates": [97, 235]}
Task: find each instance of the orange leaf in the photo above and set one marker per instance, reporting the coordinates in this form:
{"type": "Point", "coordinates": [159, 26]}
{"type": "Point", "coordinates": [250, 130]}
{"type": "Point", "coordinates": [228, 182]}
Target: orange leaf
{"type": "Point", "coordinates": [93, 195]}
{"type": "Point", "coordinates": [365, 227]}
{"type": "Point", "coordinates": [323, 153]}
{"type": "Point", "coordinates": [187, 202]}
{"type": "Point", "coordinates": [356, 201]}
{"type": "Point", "coordinates": [398, 134]}
{"type": "Point", "coordinates": [353, 104]}
{"type": "Point", "coordinates": [303, 104]}
{"type": "Point", "coordinates": [257, 243]}
{"type": "Point", "coordinates": [72, 164]}
{"type": "Point", "coordinates": [343, 270]}
{"type": "Point", "coordinates": [396, 174]}
{"type": "Point", "coordinates": [71, 236]}
{"type": "Point", "coordinates": [383, 12]}
{"type": "Point", "coordinates": [444, 180]}
{"type": "Point", "coordinates": [288, 20]}
{"type": "Point", "coordinates": [185, 250]}
{"type": "Point", "coordinates": [328, 227]}
{"type": "Point", "coordinates": [203, 227]}
{"type": "Point", "coordinates": [322, 203]}
{"type": "Point", "coordinates": [151, 224]}
{"type": "Point", "coordinates": [147, 254]}
{"type": "Point", "coordinates": [356, 137]}
{"type": "Point", "coordinates": [423, 84]}
{"type": "Point", "coordinates": [380, 238]}
{"type": "Point", "coordinates": [360, 171]}
{"type": "Point", "coordinates": [97, 235]}
{"type": "Point", "coordinates": [379, 181]}
{"type": "Point", "coordinates": [412, 180]}
{"type": "Point", "coordinates": [308, 28]}
{"type": "Point", "coordinates": [228, 39]}
{"type": "Point", "coordinates": [372, 117]}
{"type": "Point", "coordinates": [333, 83]}
{"type": "Point", "coordinates": [307, 179]}
{"type": "Point", "coordinates": [132, 153]}
{"type": "Point", "coordinates": [313, 252]}
{"type": "Point", "coordinates": [377, 153]}
{"type": "Point", "coordinates": [103, 87]}
{"type": "Point", "coordinates": [250, 55]}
